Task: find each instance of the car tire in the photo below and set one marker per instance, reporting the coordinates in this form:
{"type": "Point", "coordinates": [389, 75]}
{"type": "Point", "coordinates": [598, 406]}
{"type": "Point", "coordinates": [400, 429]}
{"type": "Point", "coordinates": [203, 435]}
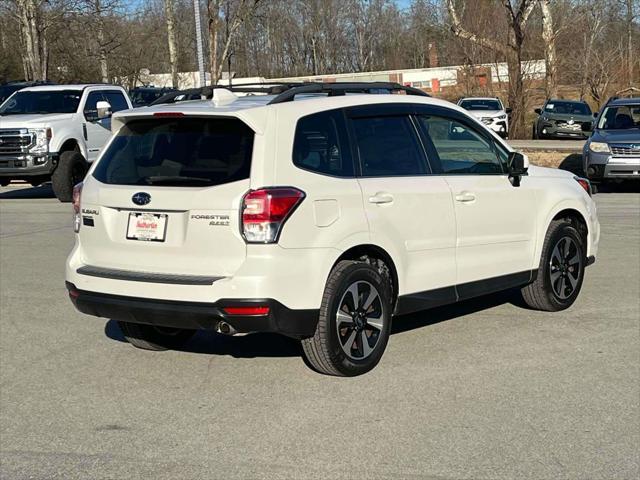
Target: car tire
{"type": "Point", "coordinates": [356, 308]}
{"type": "Point", "coordinates": [150, 337]}
{"type": "Point", "coordinates": [561, 269]}
{"type": "Point", "coordinates": [70, 171]}
{"type": "Point", "coordinates": [534, 132]}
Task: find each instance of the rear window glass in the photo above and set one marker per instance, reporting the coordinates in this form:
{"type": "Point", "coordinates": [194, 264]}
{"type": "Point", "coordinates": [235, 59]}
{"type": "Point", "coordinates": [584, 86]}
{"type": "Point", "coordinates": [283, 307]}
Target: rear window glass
{"type": "Point", "coordinates": [178, 152]}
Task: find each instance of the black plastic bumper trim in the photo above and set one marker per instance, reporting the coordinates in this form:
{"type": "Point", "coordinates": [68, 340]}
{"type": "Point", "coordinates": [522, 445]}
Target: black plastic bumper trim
{"type": "Point", "coordinates": [196, 315]}
{"type": "Point", "coordinates": [171, 279]}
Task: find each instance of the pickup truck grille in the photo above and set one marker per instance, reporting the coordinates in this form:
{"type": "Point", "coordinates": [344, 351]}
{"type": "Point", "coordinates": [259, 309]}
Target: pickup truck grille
{"type": "Point", "coordinates": [626, 150]}
{"type": "Point", "coordinates": [15, 142]}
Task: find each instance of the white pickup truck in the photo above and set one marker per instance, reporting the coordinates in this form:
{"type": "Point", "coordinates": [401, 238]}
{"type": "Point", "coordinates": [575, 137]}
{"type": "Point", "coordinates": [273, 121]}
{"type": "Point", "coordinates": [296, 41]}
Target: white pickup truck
{"type": "Point", "coordinates": [55, 132]}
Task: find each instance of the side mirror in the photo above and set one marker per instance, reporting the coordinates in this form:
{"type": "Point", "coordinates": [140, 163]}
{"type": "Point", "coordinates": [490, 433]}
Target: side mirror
{"type": "Point", "coordinates": [518, 165]}
{"type": "Point", "coordinates": [538, 111]}
{"type": "Point", "coordinates": [104, 109]}
{"type": "Point", "coordinates": [508, 110]}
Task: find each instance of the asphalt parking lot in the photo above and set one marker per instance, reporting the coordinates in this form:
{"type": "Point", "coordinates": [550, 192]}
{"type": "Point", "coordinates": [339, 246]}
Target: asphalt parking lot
{"type": "Point", "coordinates": [481, 390]}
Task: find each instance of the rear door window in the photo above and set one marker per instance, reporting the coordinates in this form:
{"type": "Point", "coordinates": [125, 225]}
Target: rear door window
{"type": "Point", "coordinates": [388, 147]}
{"type": "Point", "coordinates": [178, 152]}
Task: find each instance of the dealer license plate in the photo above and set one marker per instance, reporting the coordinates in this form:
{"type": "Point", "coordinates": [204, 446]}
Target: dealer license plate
{"type": "Point", "coordinates": [149, 227]}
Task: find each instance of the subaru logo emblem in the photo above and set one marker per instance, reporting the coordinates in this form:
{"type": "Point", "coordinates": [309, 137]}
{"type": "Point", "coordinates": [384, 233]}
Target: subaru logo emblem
{"type": "Point", "coordinates": [141, 198]}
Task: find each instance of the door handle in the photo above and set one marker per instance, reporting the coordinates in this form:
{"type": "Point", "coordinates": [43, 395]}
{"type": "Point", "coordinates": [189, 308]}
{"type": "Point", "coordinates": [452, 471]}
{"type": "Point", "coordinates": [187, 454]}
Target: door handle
{"type": "Point", "coordinates": [465, 197]}
{"type": "Point", "coordinates": [380, 198]}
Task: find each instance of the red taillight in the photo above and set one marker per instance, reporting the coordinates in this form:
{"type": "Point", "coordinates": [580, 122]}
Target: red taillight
{"type": "Point", "coordinates": [264, 212]}
{"type": "Point", "coordinates": [168, 114]}
{"type": "Point", "coordinates": [260, 310]}
{"type": "Point", "coordinates": [75, 199]}
{"type": "Point", "coordinates": [584, 183]}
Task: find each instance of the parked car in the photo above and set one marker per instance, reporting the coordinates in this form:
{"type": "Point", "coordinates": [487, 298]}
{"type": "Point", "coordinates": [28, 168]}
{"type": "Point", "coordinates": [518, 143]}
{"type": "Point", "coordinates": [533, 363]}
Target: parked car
{"type": "Point", "coordinates": [613, 150]}
{"type": "Point", "coordinates": [143, 96]}
{"type": "Point", "coordinates": [489, 111]}
{"type": "Point", "coordinates": [563, 119]}
{"type": "Point", "coordinates": [6, 89]}
{"type": "Point", "coordinates": [55, 132]}
{"type": "Point", "coordinates": [317, 215]}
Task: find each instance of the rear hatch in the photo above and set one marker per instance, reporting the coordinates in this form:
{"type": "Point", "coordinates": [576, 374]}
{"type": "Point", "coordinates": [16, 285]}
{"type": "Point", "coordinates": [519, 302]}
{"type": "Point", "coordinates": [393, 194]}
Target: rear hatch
{"type": "Point", "coordinates": [165, 197]}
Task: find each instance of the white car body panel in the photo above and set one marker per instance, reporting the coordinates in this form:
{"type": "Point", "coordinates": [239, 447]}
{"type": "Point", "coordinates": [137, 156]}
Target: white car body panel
{"type": "Point", "coordinates": [433, 241]}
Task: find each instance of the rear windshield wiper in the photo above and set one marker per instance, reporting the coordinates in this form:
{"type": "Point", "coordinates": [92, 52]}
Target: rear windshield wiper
{"type": "Point", "coordinates": [174, 179]}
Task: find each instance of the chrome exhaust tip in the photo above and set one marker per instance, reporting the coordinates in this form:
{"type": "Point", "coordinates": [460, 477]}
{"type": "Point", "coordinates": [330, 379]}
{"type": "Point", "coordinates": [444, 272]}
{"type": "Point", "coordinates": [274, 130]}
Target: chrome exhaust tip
{"type": "Point", "coordinates": [225, 329]}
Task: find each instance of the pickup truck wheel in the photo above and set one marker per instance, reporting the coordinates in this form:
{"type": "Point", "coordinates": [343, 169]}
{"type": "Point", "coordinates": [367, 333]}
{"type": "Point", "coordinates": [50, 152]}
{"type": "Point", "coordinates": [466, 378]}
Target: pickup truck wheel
{"type": "Point", "coordinates": [149, 337]}
{"type": "Point", "coordinates": [70, 171]}
{"type": "Point", "coordinates": [561, 269]}
{"type": "Point", "coordinates": [354, 323]}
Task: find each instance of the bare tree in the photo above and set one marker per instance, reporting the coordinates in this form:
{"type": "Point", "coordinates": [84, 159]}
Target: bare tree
{"type": "Point", "coordinates": [169, 12]}
{"type": "Point", "coordinates": [517, 17]}
{"type": "Point", "coordinates": [234, 18]}
{"type": "Point", "coordinates": [549, 38]}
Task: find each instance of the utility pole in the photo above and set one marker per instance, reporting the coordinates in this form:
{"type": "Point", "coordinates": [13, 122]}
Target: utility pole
{"type": "Point", "coordinates": [196, 9]}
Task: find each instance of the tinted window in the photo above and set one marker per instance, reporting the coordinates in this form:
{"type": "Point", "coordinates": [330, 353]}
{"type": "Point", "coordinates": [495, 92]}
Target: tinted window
{"type": "Point", "coordinates": [179, 152]}
{"type": "Point", "coordinates": [570, 108]}
{"type": "Point", "coordinates": [90, 106]}
{"type": "Point", "coordinates": [620, 118]}
{"type": "Point", "coordinates": [388, 146]}
{"type": "Point", "coordinates": [459, 149]}
{"type": "Point", "coordinates": [320, 145]}
{"type": "Point", "coordinates": [117, 101]}
{"type": "Point", "coordinates": [42, 102]}
{"type": "Point", "coordinates": [481, 105]}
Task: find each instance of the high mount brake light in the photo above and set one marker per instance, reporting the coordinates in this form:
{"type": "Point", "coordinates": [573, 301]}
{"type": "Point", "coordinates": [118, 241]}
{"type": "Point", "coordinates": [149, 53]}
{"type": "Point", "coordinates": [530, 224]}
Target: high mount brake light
{"type": "Point", "coordinates": [168, 114]}
{"type": "Point", "coordinates": [584, 183]}
{"type": "Point", "coordinates": [75, 199]}
{"type": "Point", "coordinates": [265, 211]}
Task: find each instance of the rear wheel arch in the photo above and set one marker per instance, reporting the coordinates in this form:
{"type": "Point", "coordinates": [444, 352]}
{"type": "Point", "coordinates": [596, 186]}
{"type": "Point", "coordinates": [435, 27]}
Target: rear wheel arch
{"type": "Point", "coordinates": [374, 254]}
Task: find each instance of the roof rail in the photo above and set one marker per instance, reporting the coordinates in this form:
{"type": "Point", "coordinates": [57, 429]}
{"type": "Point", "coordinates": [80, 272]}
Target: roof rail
{"type": "Point", "coordinates": [341, 88]}
{"type": "Point", "coordinates": [269, 88]}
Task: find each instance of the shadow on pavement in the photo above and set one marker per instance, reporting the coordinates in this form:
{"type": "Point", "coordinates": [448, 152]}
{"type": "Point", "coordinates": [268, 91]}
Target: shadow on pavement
{"type": "Point", "coordinates": [627, 186]}
{"type": "Point", "coordinates": [273, 345]}
{"type": "Point", "coordinates": [210, 343]}
{"type": "Point", "coordinates": [425, 318]}
{"type": "Point", "coordinates": [42, 191]}
{"type": "Point", "coordinates": [573, 164]}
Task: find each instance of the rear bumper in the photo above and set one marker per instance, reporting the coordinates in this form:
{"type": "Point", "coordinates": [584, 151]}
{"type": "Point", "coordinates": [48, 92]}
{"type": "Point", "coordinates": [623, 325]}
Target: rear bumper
{"type": "Point", "coordinates": [195, 315]}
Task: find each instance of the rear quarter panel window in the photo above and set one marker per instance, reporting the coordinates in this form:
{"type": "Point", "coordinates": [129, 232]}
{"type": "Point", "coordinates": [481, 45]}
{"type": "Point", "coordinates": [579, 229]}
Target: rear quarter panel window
{"type": "Point", "coordinates": [321, 146]}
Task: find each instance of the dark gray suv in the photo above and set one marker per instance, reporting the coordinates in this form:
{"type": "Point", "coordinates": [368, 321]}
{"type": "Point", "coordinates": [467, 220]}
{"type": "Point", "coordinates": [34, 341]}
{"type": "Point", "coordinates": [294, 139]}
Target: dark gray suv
{"type": "Point", "coordinates": [563, 119]}
{"type": "Point", "coordinates": [613, 150]}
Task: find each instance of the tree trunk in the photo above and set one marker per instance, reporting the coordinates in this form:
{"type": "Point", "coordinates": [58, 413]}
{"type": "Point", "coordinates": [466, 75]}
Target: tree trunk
{"type": "Point", "coordinates": [102, 54]}
{"type": "Point", "coordinates": [630, 41]}
{"type": "Point", "coordinates": [549, 38]}
{"type": "Point", "coordinates": [29, 20]}
{"type": "Point", "coordinates": [516, 95]}
{"type": "Point", "coordinates": [171, 37]}
{"type": "Point", "coordinates": [214, 24]}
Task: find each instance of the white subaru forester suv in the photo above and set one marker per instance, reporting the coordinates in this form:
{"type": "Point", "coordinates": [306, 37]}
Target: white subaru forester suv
{"type": "Point", "coordinates": [319, 213]}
